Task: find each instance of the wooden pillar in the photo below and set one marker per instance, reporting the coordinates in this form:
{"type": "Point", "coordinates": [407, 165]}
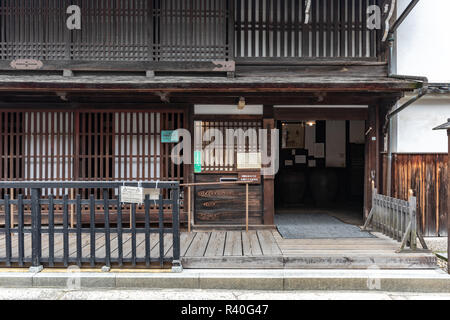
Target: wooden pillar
{"type": "Point", "coordinates": [371, 157]}
{"type": "Point", "coordinates": [269, 181]}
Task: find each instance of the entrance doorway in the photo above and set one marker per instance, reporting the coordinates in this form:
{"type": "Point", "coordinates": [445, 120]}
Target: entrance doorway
{"type": "Point", "coordinates": [321, 176]}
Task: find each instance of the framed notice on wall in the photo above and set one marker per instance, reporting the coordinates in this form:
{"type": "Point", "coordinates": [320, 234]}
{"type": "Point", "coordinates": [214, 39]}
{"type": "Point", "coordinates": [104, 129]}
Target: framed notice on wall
{"type": "Point", "coordinates": [293, 136]}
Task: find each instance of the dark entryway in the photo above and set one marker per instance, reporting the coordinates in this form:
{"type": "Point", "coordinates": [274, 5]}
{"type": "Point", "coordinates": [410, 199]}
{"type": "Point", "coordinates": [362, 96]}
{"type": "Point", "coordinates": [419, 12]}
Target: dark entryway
{"type": "Point", "coordinates": [321, 169]}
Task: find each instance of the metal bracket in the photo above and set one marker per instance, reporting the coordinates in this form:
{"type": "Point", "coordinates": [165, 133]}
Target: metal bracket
{"type": "Point", "coordinates": [225, 66]}
{"type": "Point", "coordinates": [26, 64]}
{"type": "Point", "coordinates": [176, 266]}
{"type": "Point", "coordinates": [36, 269]}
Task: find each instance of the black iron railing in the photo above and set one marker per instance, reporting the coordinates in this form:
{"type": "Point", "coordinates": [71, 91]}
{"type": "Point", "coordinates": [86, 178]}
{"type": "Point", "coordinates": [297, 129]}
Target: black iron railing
{"type": "Point", "coordinates": [93, 231]}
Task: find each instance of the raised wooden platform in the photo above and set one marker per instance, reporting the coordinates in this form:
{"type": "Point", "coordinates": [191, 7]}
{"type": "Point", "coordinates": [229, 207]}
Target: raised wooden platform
{"type": "Point", "coordinates": [257, 249]}
{"type": "Point", "coordinates": [266, 249]}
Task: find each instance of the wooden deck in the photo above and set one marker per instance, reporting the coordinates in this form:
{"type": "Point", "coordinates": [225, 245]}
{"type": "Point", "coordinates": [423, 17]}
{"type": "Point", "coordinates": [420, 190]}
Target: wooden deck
{"type": "Point", "coordinates": [264, 249]}
{"type": "Point", "coordinates": [261, 249]}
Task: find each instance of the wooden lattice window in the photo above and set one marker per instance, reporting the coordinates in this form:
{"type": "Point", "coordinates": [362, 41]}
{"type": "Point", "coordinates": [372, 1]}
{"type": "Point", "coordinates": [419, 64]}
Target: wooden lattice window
{"type": "Point", "coordinates": [282, 29]}
{"type": "Point", "coordinates": [239, 136]}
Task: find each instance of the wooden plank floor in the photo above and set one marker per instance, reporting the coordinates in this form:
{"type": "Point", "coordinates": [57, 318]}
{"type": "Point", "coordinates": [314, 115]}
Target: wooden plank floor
{"type": "Point", "coordinates": [230, 243]}
{"type": "Point", "coordinates": [267, 249]}
{"type": "Point", "coordinates": [254, 249]}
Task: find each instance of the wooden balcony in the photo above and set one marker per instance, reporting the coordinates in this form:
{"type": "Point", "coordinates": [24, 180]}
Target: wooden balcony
{"type": "Point", "coordinates": [198, 35]}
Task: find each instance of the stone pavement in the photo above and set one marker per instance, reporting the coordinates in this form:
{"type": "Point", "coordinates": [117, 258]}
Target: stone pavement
{"type": "Point", "coordinates": [433, 281]}
{"type": "Point", "coordinates": [208, 294]}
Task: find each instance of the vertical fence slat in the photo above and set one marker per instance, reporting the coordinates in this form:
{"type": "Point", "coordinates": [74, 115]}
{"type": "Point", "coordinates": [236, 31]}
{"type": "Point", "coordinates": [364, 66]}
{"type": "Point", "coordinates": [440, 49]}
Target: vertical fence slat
{"type": "Point", "coordinates": [161, 230]}
{"type": "Point", "coordinates": [20, 227]}
{"type": "Point", "coordinates": [413, 218]}
{"type": "Point", "coordinates": [176, 224]}
{"type": "Point", "coordinates": [36, 230]}
{"type": "Point", "coordinates": [78, 228]}
{"type": "Point", "coordinates": [92, 228]}
{"type": "Point", "coordinates": [133, 234]}
{"type": "Point", "coordinates": [119, 233]}
{"type": "Point", "coordinates": [107, 228]}
{"type": "Point", "coordinates": [66, 230]}
{"type": "Point", "coordinates": [147, 230]}
{"type": "Point", "coordinates": [51, 231]}
{"type": "Point", "coordinates": [8, 248]}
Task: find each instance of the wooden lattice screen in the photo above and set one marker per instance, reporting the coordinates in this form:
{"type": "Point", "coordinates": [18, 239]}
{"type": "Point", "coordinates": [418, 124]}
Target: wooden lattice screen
{"type": "Point", "coordinates": [115, 30]}
{"type": "Point", "coordinates": [278, 29]}
{"type": "Point", "coordinates": [88, 146]}
{"type": "Point", "coordinates": [197, 29]}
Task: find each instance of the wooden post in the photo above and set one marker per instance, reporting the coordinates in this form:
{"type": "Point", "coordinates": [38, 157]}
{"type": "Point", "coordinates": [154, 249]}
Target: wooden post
{"type": "Point", "coordinates": [269, 180]}
{"type": "Point", "coordinates": [189, 209]}
{"type": "Point", "coordinates": [413, 217]}
{"type": "Point", "coordinates": [246, 207]}
{"type": "Point", "coordinates": [72, 207]}
{"type": "Point", "coordinates": [448, 202]}
{"type": "Point", "coordinates": [131, 216]}
{"type": "Point", "coordinates": [12, 209]}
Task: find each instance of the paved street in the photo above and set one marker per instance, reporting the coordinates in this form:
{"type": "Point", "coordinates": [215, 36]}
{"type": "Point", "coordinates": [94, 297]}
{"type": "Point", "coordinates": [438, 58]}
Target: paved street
{"type": "Point", "coordinates": [58, 294]}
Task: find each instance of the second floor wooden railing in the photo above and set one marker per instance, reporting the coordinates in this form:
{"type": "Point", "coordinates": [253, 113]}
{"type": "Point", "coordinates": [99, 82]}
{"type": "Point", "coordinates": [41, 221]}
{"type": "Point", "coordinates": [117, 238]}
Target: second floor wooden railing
{"type": "Point", "coordinates": [196, 35]}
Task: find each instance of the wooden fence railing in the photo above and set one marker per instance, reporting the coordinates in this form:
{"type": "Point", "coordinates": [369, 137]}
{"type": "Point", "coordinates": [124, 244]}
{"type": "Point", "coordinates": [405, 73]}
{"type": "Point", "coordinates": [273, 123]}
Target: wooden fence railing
{"type": "Point", "coordinates": [395, 218]}
{"type": "Point", "coordinates": [109, 243]}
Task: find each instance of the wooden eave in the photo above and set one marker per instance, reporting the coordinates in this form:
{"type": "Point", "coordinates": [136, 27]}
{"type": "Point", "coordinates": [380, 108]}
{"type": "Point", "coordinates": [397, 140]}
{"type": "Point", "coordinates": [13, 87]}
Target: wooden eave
{"type": "Point", "coordinates": [114, 83]}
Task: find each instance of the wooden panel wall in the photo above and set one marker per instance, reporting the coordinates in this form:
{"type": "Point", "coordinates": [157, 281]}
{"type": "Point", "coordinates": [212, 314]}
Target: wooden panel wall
{"type": "Point", "coordinates": [225, 205]}
{"type": "Point", "coordinates": [426, 175]}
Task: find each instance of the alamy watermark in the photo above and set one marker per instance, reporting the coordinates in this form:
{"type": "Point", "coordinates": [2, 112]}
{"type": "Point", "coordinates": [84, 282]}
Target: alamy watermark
{"type": "Point", "coordinates": [373, 13]}
{"type": "Point", "coordinates": [256, 149]}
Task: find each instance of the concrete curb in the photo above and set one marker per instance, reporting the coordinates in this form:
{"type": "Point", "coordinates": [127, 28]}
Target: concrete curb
{"type": "Point", "coordinates": [426, 281]}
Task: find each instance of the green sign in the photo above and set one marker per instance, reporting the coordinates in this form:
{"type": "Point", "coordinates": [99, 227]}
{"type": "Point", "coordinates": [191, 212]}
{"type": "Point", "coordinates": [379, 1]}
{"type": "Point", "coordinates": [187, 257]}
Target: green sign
{"type": "Point", "coordinates": [169, 136]}
{"type": "Point", "coordinates": [197, 161]}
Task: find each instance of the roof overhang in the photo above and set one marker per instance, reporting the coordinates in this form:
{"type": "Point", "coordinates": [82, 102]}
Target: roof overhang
{"type": "Point", "coordinates": [445, 126]}
{"type": "Point", "coordinates": [114, 83]}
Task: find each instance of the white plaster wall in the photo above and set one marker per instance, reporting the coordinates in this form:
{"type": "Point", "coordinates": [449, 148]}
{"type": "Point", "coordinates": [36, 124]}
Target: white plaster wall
{"type": "Point", "coordinates": [414, 126]}
{"type": "Point", "coordinates": [423, 40]}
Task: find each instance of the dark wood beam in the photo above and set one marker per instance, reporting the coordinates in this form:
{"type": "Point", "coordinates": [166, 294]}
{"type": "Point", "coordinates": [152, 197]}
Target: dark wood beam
{"type": "Point", "coordinates": [300, 114]}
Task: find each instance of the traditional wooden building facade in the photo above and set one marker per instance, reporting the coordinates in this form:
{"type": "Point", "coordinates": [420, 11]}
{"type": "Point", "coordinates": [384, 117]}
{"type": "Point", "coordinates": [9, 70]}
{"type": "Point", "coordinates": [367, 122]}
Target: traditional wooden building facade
{"type": "Point", "coordinates": [89, 88]}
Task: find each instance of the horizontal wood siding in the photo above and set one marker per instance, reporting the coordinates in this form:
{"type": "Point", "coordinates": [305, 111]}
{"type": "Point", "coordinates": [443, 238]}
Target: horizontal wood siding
{"type": "Point", "coordinates": [226, 204]}
{"type": "Point", "coordinates": [426, 175]}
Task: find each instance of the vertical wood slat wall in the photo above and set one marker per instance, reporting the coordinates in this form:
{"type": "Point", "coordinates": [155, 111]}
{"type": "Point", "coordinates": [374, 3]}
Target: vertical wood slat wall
{"type": "Point", "coordinates": [426, 175]}
{"type": "Point", "coordinates": [196, 29]}
{"type": "Point", "coordinates": [88, 146]}
{"type": "Point", "coordinates": [115, 30]}
{"type": "Point", "coordinates": [277, 29]}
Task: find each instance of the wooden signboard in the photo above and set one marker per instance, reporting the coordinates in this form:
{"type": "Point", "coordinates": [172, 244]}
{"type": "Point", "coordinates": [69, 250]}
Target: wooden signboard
{"type": "Point", "coordinates": [131, 195]}
{"type": "Point", "coordinates": [250, 177]}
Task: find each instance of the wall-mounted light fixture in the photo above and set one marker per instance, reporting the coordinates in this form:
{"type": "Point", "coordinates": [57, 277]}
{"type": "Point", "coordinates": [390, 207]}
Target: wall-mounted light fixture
{"type": "Point", "coordinates": [241, 103]}
{"type": "Point", "coordinates": [311, 123]}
